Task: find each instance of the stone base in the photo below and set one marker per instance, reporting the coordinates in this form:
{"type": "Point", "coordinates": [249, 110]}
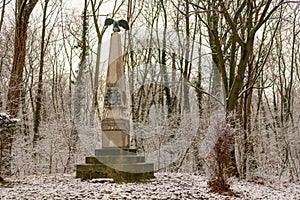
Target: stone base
{"type": "Point", "coordinates": [91, 171]}
{"type": "Point", "coordinates": [115, 139]}
{"type": "Point", "coordinates": [122, 165]}
{"type": "Point", "coordinates": [115, 133]}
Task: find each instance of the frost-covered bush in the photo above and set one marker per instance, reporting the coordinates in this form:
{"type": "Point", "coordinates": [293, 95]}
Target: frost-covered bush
{"type": "Point", "coordinates": [7, 122]}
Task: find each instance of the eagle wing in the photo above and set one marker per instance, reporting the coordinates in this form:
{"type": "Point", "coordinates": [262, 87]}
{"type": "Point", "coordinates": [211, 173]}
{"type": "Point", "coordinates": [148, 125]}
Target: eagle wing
{"type": "Point", "coordinates": [108, 21]}
{"type": "Point", "coordinates": [124, 24]}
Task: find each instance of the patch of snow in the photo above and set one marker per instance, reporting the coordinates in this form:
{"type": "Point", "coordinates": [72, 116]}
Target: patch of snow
{"type": "Point", "coordinates": [4, 115]}
{"type": "Point", "coordinates": [164, 186]}
{"type": "Point", "coordinates": [101, 180]}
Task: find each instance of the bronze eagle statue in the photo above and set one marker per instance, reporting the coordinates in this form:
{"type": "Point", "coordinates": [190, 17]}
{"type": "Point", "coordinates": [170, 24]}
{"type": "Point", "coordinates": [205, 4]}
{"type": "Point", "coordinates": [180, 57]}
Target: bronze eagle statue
{"type": "Point", "coordinates": [117, 24]}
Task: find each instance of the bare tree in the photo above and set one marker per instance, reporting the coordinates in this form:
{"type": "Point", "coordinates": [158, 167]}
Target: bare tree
{"type": "Point", "coordinates": [23, 10]}
{"type": "Point", "coordinates": [78, 103]}
{"type": "Point", "coordinates": [43, 49]}
{"type": "Point", "coordinates": [232, 27]}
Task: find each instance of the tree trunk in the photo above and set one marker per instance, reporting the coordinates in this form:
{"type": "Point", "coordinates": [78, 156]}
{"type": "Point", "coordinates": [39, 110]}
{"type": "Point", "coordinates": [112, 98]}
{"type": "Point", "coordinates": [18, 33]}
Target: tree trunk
{"type": "Point", "coordinates": [38, 101]}
{"type": "Point", "coordinates": [187, 64]}
{"type": "Point", "coordinates": [23, 12]}
{"type": "Point", "coordinates": [2, 14]}
{"type": "Point", "coordinates": [163, 63]}
{"type": "Point", "coordinates": [79, 91]}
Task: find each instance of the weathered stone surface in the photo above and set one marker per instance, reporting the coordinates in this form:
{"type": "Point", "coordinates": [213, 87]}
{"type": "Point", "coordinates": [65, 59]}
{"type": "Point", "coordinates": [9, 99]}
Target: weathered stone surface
{"type": "Point", "coordinates": [114, 151]}
{"type": "Point", "coordinates": [125, 159]}
{"type": "Point", "coordinates": [123, 165]}
{"type": "Point", "coordinates": [130, 172]}
{"type": "Point", "coordinates": [115, 124]}
{"type": "Point", "coordinates": [91, 171]}
{"type": "Point", "coordinates": [115, 133]}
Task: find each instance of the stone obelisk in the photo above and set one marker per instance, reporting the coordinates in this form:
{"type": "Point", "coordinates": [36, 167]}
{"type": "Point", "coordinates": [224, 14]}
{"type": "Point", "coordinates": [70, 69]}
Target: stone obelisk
{"type": "Point", "coordinates": [115, 159]}
{"type": "Point", "coordinates": [115, 124]}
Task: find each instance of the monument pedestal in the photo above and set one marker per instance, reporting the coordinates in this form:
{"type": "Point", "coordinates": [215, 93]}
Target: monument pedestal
{"type": "Point", "coordinates": [115, 133]}
{"type": "Point", "coordinates": [122, 165]}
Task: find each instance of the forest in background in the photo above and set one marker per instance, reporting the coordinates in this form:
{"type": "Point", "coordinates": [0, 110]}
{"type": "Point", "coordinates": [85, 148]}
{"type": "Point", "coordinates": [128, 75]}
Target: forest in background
{"type": "Point", "coordinates": [230, 69]}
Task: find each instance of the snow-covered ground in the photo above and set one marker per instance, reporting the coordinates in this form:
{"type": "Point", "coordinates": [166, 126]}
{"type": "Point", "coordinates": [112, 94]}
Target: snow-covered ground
{"type": "Point", "coordinates": [164, 186]}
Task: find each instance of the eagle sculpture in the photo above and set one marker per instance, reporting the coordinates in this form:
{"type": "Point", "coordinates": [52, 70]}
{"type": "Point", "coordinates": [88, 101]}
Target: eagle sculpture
{"type": "Point", "coordinates": [117, 24]}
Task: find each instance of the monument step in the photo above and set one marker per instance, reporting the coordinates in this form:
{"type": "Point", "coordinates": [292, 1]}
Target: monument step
{"type": "Point", "coordinates": [135, 167]}
{"type": "Point", "coordinates": [131, 168]}
{"type": "Point", "coordinates": [115, 159]}
{"type": "Point", "coordinates": [118, 172]}
{"type": "Point", "coordinates": [114, 151]}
